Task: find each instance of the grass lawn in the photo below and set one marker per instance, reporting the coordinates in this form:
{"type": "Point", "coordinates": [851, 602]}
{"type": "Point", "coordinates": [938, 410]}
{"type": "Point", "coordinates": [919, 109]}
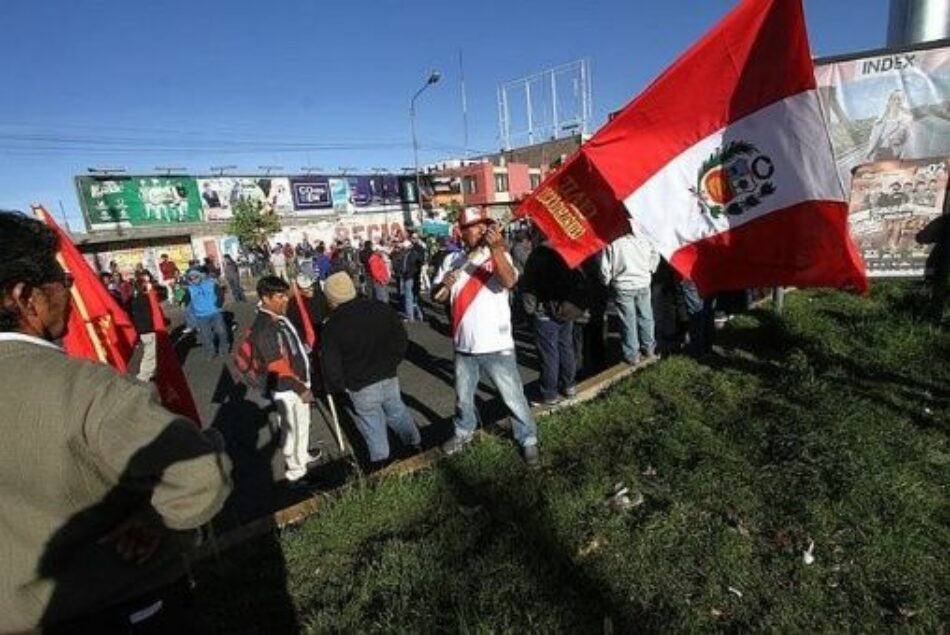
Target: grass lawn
{"type": "Point", "coordinates": [827, 425]}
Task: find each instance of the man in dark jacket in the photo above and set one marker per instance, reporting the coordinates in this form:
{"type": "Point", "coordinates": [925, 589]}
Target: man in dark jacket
{"type": "Point", "coordinates": [363, 343]}
{"type": "Point", "coordinates": [552, 295]}
{"type": "Point", "coordinates": [140, 310]}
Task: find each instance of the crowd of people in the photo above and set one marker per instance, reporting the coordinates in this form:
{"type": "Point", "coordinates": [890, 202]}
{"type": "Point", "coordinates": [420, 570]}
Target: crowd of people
{"type": "Point", "coordinates": [124, 471]}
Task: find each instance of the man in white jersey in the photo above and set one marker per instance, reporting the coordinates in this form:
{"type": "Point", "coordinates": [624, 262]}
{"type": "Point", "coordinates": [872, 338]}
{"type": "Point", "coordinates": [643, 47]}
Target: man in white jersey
{"type": "Point", "coordinates": [478, 280]}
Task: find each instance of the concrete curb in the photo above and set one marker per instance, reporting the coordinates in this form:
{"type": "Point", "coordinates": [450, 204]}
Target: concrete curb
{"type": "Point", "coordinates": [586, 390]}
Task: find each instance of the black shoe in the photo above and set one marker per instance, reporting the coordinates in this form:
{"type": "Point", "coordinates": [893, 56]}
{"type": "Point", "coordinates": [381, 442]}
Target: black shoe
{"type": "Point", "coordinates": [302, 483]}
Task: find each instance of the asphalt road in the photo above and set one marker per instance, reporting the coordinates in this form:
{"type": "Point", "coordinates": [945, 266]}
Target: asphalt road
{"type": "Point", "coordinates": [248, 425]}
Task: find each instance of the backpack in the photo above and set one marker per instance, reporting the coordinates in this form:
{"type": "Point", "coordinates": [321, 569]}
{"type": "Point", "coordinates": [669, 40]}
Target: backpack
{"type": "Point", "coordinates": [252, 371]}
{"type": "Point", "coordinates": [378, 270]}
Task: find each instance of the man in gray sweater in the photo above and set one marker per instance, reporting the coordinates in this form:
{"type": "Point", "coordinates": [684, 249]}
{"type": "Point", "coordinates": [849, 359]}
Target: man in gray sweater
{"type": "Point", "coordinates": [101, 487]}
{"type": "Point", "coordinates": [627, 267]}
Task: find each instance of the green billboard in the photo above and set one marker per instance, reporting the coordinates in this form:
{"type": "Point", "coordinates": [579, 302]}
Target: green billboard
{"type": "Point", "coordinates": [131, 201]}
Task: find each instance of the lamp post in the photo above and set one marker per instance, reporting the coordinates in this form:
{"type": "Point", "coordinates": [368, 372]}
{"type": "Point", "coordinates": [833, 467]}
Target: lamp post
{"type": "Point", "coordinates": [434, 77]}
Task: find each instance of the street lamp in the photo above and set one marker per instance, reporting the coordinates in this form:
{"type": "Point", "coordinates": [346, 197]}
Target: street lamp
{"type": "Point", "coordinates": [434, 77]}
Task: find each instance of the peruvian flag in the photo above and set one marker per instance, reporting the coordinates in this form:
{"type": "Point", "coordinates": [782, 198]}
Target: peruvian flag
{"type": "Point", "coordinates": [724, 163]}
{"type": "Point", "coordinates": [169, 378]}
{"type": "Point", "coordinates": [98, 328]}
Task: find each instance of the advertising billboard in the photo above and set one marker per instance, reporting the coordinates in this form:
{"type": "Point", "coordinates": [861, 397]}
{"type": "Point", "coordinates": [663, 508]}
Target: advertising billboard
{"type": "Point", "coordinates": [127, 201]}
{"type": "Point", "coordinates": [219, 194]}
{"type": "Point", "coordinates": [885, 107]}
{"type": "Point", "coordinates": [311, 195]}
{"type": "Point", "coordinates": [892, 204]}
{"type": "Point", "coordinates": [136, 201]}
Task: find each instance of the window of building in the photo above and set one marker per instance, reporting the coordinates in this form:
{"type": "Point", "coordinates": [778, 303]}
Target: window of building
{"type": "Point", "coordinates": [470, 185]}
{"type": "Point", "coordinates": [501, 182]}
{"type": "Point", "coordinates": [535, 181]}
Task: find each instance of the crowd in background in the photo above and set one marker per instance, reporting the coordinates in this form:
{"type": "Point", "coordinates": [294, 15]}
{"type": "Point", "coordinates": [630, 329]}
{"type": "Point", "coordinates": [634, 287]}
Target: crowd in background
{"type": "Point", "coordinates": [566, 309]}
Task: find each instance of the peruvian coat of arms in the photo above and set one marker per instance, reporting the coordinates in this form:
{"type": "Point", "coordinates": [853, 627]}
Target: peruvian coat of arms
{"type": "Point", "coordinates": [734, 179]}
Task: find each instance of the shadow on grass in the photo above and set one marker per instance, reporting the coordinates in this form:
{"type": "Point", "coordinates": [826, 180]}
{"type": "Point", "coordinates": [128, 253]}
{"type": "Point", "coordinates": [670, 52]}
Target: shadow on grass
{"type": "Point", "coordinates": [519, 519]}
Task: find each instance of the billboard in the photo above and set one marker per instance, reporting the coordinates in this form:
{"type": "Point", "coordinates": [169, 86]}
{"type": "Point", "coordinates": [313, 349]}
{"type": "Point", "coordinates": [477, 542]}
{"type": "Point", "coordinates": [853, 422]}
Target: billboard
{"type": "Point", "coordinates": [219, 194]}
{"type": "Point", "coordinates": [128, 201]}
{"type": "Point", "coordinates": [891, 202]}
{"type": "Point", "coordinates": [135, 201]}
{"type": "Point", "coordinates": [885, 107]}
{"type": "Point", "coordinates": [311, 195]}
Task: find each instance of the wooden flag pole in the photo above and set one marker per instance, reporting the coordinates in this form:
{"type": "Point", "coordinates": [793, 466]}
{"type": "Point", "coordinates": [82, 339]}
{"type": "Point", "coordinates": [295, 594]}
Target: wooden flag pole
{"type": "Point", "coordinates": [336, 423]}
{"type": "Point", "coordinates": [78, 302]}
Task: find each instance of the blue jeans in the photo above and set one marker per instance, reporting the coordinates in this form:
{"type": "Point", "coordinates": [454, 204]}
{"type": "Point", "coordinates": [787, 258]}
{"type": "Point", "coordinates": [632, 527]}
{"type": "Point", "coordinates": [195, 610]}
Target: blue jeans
{"type": "Point", "coordinates": [503, 371]}
{"type": "Point", "coordinates": [210, 326]}
{"type": "Point", "coordinates": [555, 341]}
{"type": "Point", "coordinates": [377, 406]}
{"type": "Point", "coordinates": [409, 305]}
{"type": "Point", "coordinates": [381, 292]}
{"type": "Point", "coordinates": [636, 322]}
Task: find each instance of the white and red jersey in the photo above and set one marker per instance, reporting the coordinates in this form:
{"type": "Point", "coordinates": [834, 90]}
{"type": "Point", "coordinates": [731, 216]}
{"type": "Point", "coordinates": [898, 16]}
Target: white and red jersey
{"type": "Point", "coordinates": [480, 314]}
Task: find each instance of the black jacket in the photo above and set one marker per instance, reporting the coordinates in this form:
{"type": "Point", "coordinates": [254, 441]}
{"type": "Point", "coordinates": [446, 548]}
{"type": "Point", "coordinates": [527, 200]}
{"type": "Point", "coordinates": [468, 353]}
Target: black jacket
{"type": "Point", "coordinates": [363, 342]}
{"type": "Point", "coordinates": [550, 288]}
{"type": "Point", "coordinates": [141, 312]}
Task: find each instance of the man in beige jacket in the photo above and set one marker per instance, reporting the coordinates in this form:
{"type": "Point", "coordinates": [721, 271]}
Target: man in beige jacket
{"type": "Point", "coordinates": [101, 487]}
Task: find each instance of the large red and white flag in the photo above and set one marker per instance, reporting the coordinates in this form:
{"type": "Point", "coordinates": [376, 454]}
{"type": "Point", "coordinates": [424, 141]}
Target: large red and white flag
{"type": "Point", "coordinates": [724, 163]}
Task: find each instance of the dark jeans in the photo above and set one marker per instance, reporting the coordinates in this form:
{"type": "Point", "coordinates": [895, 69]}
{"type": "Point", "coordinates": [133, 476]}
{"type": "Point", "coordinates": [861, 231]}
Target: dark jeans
{"type": "Point", "coordinates": [702, 325]}
{"type": "Point", "coordinates": [236, 289]}
{"type": "Point", "coordinates": [555, 342]}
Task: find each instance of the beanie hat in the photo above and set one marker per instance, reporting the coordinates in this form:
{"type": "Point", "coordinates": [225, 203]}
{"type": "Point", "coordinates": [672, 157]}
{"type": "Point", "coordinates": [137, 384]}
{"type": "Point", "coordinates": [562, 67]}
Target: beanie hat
{"type": "Point", "coordinates": [339, 288]}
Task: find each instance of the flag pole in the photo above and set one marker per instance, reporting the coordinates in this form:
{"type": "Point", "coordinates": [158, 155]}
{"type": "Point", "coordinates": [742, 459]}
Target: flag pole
{"type": "Point", "coordinates": [336, 423]}
{"type": "Point", "coordinates": [77, 298]}
{"type": "Point", "coordinates": [84, 314]}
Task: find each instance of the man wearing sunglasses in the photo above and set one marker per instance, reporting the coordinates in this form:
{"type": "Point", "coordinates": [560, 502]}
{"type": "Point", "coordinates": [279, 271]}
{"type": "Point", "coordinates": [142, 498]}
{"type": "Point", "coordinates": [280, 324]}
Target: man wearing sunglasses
{"type": "Point", "coordinates": [100, 486]}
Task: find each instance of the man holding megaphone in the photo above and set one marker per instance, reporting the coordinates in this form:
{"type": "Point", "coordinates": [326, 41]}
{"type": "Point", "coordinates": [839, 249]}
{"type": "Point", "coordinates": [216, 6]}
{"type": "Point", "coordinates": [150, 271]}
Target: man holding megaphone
{"type": "Point", "coordinates": [476, 283]}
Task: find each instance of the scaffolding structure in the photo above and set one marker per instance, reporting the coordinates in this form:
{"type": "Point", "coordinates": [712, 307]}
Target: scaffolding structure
{"type": "Point", "coordinates": [552, 104]}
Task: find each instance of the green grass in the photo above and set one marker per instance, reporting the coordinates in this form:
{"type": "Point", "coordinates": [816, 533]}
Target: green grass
{"type": "Point", "coordinates": [826, 425]}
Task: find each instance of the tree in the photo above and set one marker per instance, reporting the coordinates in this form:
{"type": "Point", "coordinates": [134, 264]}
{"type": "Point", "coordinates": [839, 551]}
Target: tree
{"type": "Point", "coordinates": [452, 211]}
{"type": "Point", "coordinates": [251, 222]}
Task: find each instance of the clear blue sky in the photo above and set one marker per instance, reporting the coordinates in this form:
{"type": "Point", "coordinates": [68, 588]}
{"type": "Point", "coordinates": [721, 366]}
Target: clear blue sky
{"type": "Point", "coordinates": [197, 83]}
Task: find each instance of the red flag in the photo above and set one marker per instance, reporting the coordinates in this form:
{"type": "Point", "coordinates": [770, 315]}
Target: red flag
{"type": "Point", "coordinates": [99, 328]}
{"type": "Point", "coordinates": [172, 387]}
{"type": "Point", "coordinates": [310, 337]}
{"type": "Point", "coordinates": [724, 163]}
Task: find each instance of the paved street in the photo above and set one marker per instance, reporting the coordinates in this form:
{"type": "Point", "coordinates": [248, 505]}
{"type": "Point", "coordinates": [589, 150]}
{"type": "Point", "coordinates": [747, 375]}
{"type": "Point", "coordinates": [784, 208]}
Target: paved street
{"type": "Point", "coordinates": [246, 421]}
{"type": "Point", "coordinates": [426, 378]}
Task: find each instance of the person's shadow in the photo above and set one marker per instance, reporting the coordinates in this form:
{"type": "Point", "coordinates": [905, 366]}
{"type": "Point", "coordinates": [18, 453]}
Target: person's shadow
{"type": "Point", "coordinates": [937, 233]}
{"type": "Point", "coordinates": [88, 575]}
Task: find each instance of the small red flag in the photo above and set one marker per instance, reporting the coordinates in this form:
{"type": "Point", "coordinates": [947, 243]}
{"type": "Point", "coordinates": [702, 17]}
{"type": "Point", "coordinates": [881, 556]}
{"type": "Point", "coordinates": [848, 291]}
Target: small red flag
{"type": "Point", "coordinates": [310, 337]}
{"type": "Point", "coordinates": [99, 329]}
{"type": "Point", "coordinates": [169, 378]}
